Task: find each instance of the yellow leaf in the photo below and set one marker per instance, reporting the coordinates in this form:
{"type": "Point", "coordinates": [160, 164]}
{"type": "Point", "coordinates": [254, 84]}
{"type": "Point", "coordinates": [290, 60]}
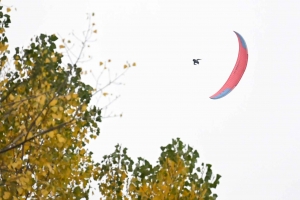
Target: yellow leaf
{"type": "Point", "coordinates": [74, 95]}
{"type": "Point", "coordinates": [21, 89]}
{"type": "Point", "coordinates": [101, 63]}
{"type": "Point", "coordinates": [14, 165]}
{"type": "Point", "coordinates": [105, 93]}
{"type": "Point", "coordinates": [19, 163]}
{"type": "Point", "coordinates": [123, 176]}
{"type": "Point", "coordinates": [131, 187]}
{"type": "Point", "coordinates": [60, 138]}
{"type": "Point", "coordinates": [26, 147]}
{"type": "Point", "coordinates": [53, 102]}
{"type": "Point", "coordinates": [47, 60]}
{"type": "Point", "coordinates": [144, 188]}
{"type": "Point", "coordinates": [1, 31]}
{"type": "Point", "coordinates": [16, 62]}
{"type": "Point", "coordinates": [29, 135]}
{"type": "Point", "coordinates": [42, 100]}
{"type": "Point", "coordinates": [44, 192]}
{"type": "Point", "coordinates": [68, 97]}
{"type": "Point", "coordinates": [38, 121]}
{"type": "Point", "coordinates": [3, 47]}
{"type": "Point", "coordinates": [54, 59]}
{"type": "Point", "coordinates": [134, 64]}
{"type": "Point", "coordinates": [20, 190]}
{"type": "Point", "coordinates": [61, 46]}
{"type": "Point", "coordinates": [109, 60]}
{"type": "Point", "coordinates": [6, 195]}
{"type": "Point", "coordinates": [49, 167]}
{"type": "Point", "coordinates": [8, 9]}
{"type": "Point", "coordinates": [84, 107]}
{"type": "Point", "coordinates": [57, 116]}
{"type": "Point", "coordinates": [76, 129]}
{"type": "Point", "coordinates": [70, 111]}
{"type": "Point", "coordinates": [43, 174]}
{"type": "Point", "coordinates": [22, 127]}
{"type": "Point", "coordinates": [125, 66]}
{"type": "Point", "coordinates": [82, 152]}
{"type": "Point", "coordinates": [95, 31]}
{"type": "Point", "coordinates": [11, 97]}
{"type": "Point", "coordinates": [24, 181]}
{"type": "Point", "coordinates": [51, 134]}
{"type": "Point", "coordinates": [54, 109]}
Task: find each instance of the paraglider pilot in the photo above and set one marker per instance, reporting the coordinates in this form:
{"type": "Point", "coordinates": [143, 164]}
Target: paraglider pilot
{"type": "Point", "coordinates": [196, 61]}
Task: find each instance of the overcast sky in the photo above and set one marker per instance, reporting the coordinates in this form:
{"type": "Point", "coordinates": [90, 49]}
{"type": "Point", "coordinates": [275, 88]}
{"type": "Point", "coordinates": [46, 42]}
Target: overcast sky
{"type": "Point", "coordinates": [251, 136]}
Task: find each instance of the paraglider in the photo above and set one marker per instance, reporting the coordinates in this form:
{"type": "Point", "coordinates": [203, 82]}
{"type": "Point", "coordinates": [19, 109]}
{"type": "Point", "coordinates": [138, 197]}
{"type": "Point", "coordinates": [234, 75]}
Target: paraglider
{"type": "Point", "coordinates": [237, 72]}
{"type": "Point", "coordinates": [196, 61]}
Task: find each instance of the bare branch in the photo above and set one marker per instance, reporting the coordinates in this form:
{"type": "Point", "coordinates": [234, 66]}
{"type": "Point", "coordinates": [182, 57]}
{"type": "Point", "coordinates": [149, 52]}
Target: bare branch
{"type": "Point", "coordinates": [110, 82]}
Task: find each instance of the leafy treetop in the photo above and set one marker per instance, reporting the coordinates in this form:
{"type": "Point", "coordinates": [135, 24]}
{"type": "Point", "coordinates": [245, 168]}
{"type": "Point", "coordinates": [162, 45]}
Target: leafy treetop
{"type": "Point", "coordinates": [174, 177]}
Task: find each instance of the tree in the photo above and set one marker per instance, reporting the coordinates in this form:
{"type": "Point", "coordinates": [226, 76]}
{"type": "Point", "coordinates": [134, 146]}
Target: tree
{"type": "Point", "coordinates": [46, 121]}
{"type": "Point", "coordinates": [174, 177]}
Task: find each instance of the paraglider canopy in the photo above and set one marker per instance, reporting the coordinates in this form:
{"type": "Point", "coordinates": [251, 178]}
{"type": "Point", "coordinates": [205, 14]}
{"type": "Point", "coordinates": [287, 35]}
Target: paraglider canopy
{"type": "Point", "coordinates": [237, 72]}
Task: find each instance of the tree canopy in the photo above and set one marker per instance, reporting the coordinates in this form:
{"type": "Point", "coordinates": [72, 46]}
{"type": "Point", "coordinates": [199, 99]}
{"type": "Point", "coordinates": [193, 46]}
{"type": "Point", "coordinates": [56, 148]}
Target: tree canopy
{"type": "Point", "coordinates": [174, 177]}
{"type": "Point", "coordinates": [45, 123]}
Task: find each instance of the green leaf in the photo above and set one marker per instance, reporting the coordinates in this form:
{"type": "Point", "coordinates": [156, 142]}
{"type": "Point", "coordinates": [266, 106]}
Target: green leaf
{"type": "Point", "coordinates": [53, 38]}
{"type": "Point", "coordinates": [42, 37]}
{"type": "Point", "coordinates": [17, 50]}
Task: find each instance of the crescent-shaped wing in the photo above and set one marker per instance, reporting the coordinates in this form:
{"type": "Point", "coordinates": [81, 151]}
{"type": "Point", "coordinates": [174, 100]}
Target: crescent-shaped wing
{"type": "Point", "coordinates": [237, 72]}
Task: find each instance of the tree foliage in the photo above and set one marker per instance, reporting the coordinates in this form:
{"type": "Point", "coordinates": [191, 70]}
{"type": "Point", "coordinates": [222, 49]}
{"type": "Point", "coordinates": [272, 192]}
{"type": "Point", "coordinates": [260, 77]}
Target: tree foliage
{"type": "Point", "coordinates": [174, 177]}
{"type": "Point", "coordinates": [45, 124]}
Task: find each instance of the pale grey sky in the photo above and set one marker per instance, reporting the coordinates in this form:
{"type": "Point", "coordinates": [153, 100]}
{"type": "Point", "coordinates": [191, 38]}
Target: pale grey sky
{"type": "Point", "coordinates": [251, 136]}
